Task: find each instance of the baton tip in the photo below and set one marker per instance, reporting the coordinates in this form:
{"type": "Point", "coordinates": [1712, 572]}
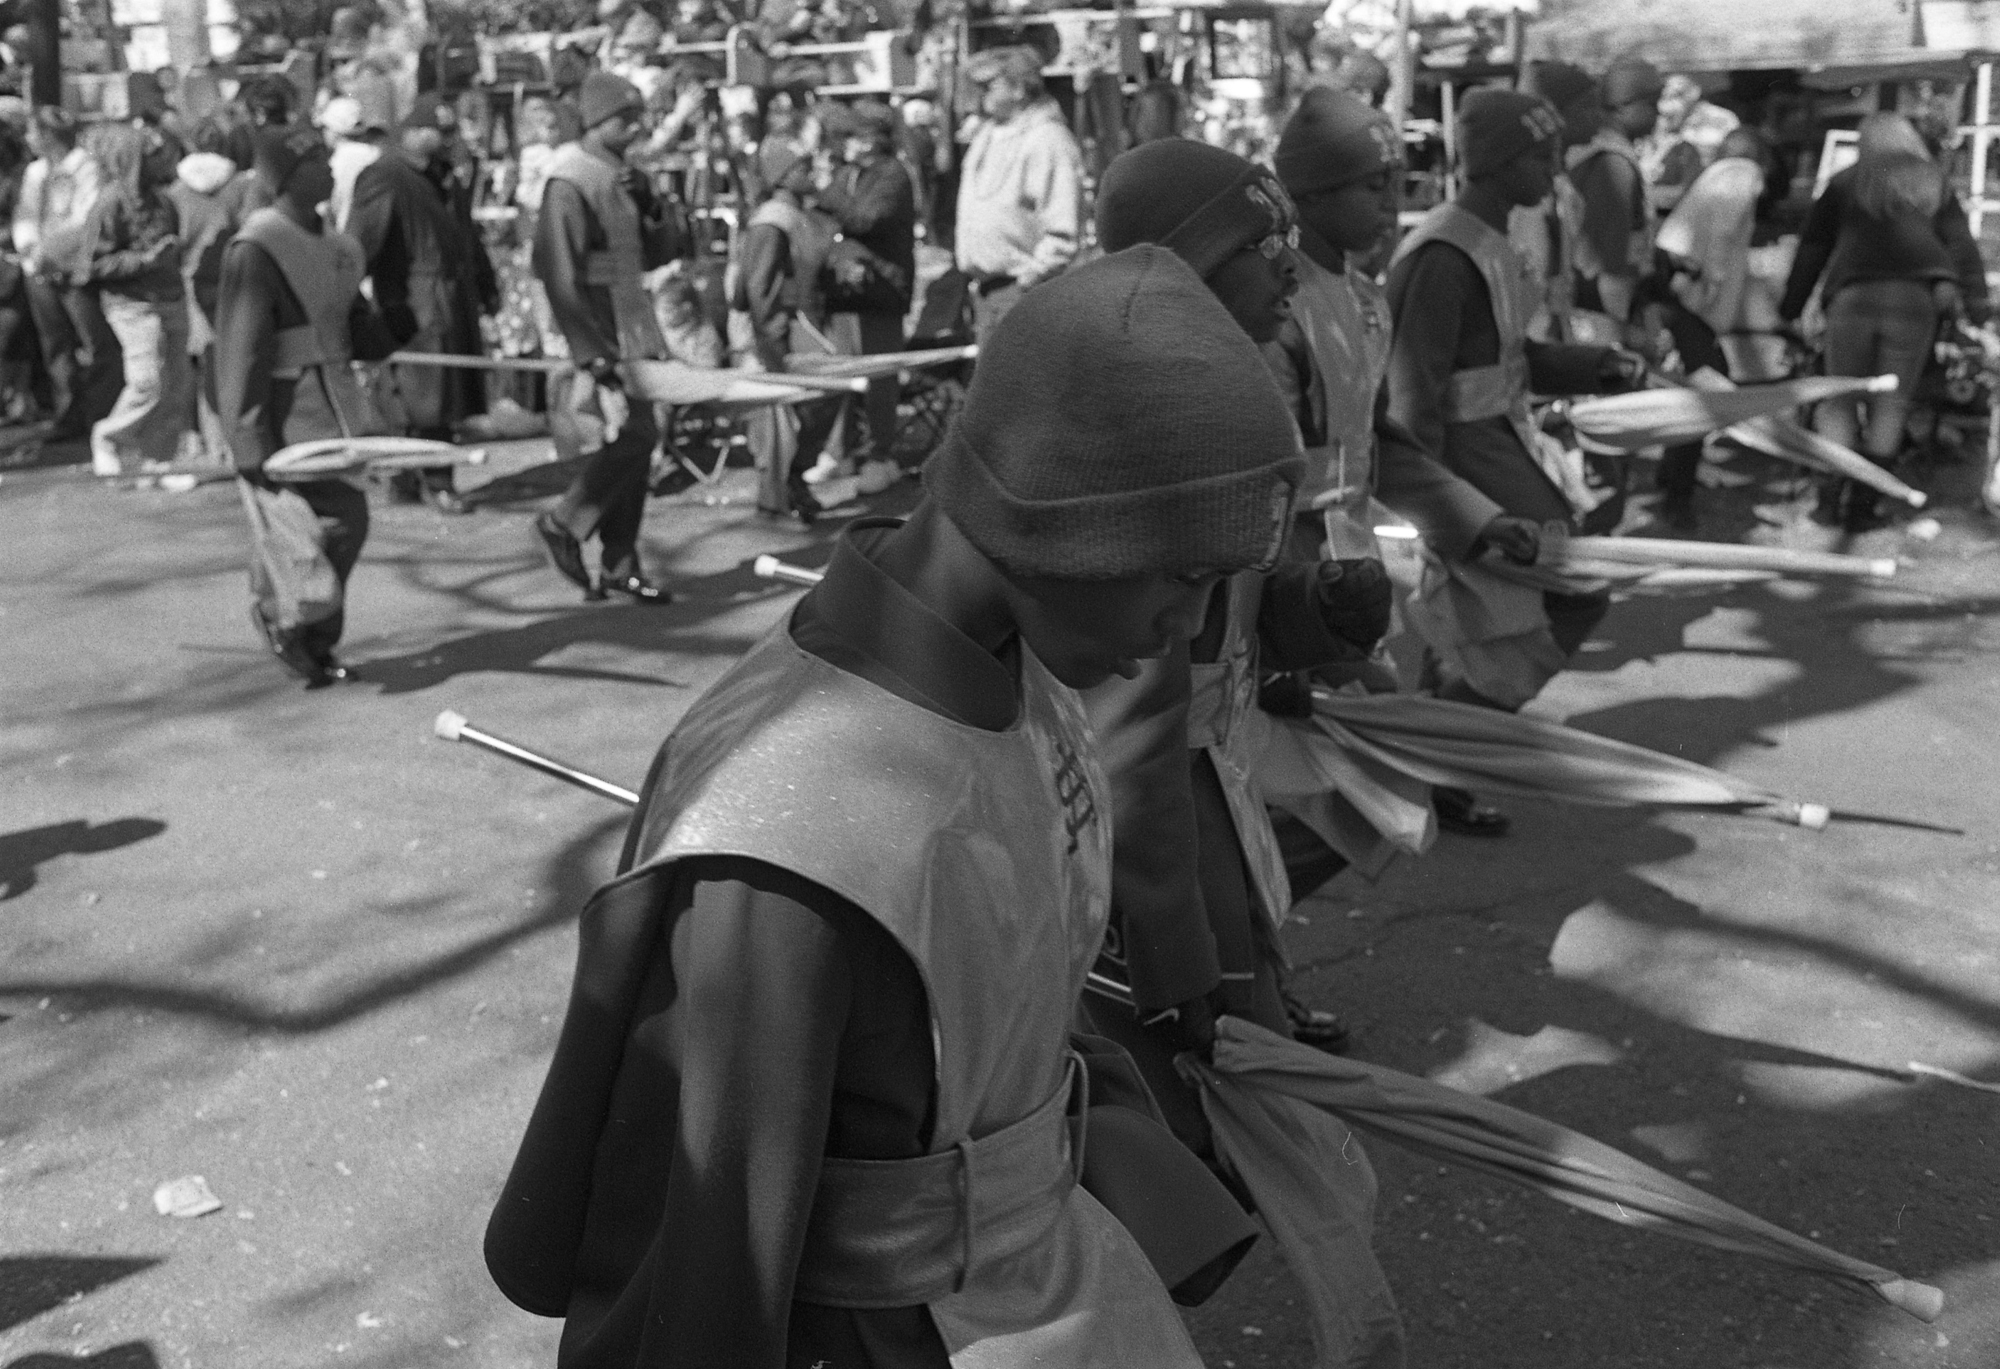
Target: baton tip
{"type": "Point", "coordinates": [449, 726]}
{"type": "Point", "coordinates": [1916, 499]}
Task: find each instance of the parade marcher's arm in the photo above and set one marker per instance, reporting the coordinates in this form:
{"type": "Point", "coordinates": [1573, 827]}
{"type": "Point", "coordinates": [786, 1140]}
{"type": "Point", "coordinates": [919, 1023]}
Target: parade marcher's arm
{"type": "Point", "coordinates": [1142, 731]}
{"type": "Point", "coordinates": [1450, 512]}
{"type": "Point", "coordinates": [765, 991]}
{"type": "Point", "coordinates": [1315, 613]}
{"type": "Point", "coordinates": [117, 256]}
{"type": "Point", "coordinates": [245, 340]}
{"type": "Point", "coordinates": [660, 238]}
{"type": "Point", "coordinates": [1055, 173]}
{"type": "Point", "coordinates": [766, 264]}
{"type": "Point", "coordinates": [1431, 290]}
{"type": "Point", "coordinates": [562, 238]}
{"type": "Point", "coordinates": [1610, 188]}
{"type": "Point", "coordinates": [1568, 368]}
{"type": "Point", "coordinates": [1817, 237]}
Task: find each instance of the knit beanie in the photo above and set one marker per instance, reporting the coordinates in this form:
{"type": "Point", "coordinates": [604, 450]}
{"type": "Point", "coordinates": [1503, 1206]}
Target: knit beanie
{"type": "Point", "coordinates": [1204, 203]}
{"type": "Point", "coordinates": [1631, 79]}
{"type": "Point", "coordinates": [1557, 82]}
{"type": "Point", "coordinates": [282, 151]}
{"type": "Point", "coordinates": [604, 95]}
{"type": "Point", "coordinates": [1496, 126]}
{"type": "Point", "coordinates": [1120, 423]}
{"type": "Point", "coordinates": [1334, 138]}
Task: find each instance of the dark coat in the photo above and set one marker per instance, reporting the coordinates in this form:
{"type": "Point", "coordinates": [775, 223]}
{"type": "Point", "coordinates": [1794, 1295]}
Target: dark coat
{"type": "Point", "coordinates": [424, 283]}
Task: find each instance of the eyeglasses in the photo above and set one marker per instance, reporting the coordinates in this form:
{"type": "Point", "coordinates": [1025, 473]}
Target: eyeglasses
{"type": "Point", "coordinates": [1272, 247]}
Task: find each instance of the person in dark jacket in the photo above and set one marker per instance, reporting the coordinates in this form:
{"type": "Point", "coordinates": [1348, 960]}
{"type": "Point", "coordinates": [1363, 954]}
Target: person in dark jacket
{"type": "Point", "coordinates": [601, 229]}
{"type": "Point", "coordinates": [424, 277]}
{"type": "Point", "coordinates": [1889, 249]}
{"type": "Point", "coordinates": [781, 257]}
{"type": "Point", "coordinates": [290, 317]}
{"type": "Point", "coordinates": [211, 192]}
{"type": "Point", "coordinates": [808, 1103]}
{"type": "Point", "coordinates": [135, 266]}
{"type": "Point", "coordinates": [874, 202]}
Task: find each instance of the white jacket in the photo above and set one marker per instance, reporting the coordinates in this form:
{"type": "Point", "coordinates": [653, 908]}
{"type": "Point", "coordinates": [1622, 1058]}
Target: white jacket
{"type": "Point", "coordinates": [1020, 202]}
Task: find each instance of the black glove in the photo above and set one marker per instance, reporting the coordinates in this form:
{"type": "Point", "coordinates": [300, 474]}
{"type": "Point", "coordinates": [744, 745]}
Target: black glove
{"type": "Point", "coordinates": [1353, 601]}
{"type": "Point", "coordinates": [1287, 694]}
{"type": "Point", "coordinates": [604, 370]}
{"type": "Point", "coordinates": [639, 186]}
{"type": "Point", "coordinates": [1518, 539]}
{"type": "Point", "coordinates": [1187, 1026]}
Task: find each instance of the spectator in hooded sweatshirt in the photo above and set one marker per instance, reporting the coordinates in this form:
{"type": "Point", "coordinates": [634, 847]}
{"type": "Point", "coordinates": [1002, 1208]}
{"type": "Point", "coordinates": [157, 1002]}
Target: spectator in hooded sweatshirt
{"type": "Point", "coordinates": [211, 194]}
{"type": "Point", "coordinates": [1020, 199]}
{"type": "Point", "coordinates": [1888, 246]}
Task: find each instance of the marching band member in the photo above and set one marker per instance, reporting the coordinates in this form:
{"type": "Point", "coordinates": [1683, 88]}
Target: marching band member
{"type": "Point", "coordinates": [289, 318]}
{"type": "Point", "coordinates": [1460, 371]}
{"type": "Point", "coordinates": [600, 230]}
{"type": "Point", "coordinates": [810, 1104]}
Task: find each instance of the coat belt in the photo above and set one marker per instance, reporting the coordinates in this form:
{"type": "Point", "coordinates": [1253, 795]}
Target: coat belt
{"type": "Point", "coordinates": [901, 1233]}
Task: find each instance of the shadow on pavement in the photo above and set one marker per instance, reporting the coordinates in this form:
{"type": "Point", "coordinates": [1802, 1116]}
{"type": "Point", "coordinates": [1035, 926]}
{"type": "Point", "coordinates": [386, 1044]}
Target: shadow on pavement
{"type": "Point", "coordinates": [136, 1354]}
{"type": "Point", "coordinates": [32, 1284]}
{"type": "Point", "coordinates": [21, 852]}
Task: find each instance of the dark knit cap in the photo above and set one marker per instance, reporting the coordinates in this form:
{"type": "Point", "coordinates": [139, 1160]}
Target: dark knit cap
{"type": "Point", "coordinates": [1631, 79]}
{"type": "Point", "coordinates": [604, 95]}
{"type": "Point", "coordinates": [1334, 138]}
{"type": "Point", "coordinates": [863, 119]}
{"type": "Point", "coordinates": [1120, 423]}
{"type": "Point", "coordinates": [1204, 203]}
{"type": "Point", "coordinates": [1496, 126]}
{"type": "Point", "coordinates": [1558, 82]}
{"type": "Point", "coordinates": [282, 151]}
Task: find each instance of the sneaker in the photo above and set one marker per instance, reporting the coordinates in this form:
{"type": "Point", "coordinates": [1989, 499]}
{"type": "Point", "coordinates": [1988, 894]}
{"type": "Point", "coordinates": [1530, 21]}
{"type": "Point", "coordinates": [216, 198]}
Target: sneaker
{"type": "Point", "coordinates": [877, 476]}
{"type": "Point", "coordinates": [828, 468]}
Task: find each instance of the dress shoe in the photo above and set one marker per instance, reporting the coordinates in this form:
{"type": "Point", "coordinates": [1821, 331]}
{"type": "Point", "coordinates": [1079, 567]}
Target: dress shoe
{"type": "Point", "coordinates": [1316, 1027]}
{"type": "Point", "coordinates": [1458, 811]}
{"type": "Point", "coordinates": [292, 653]}
{"type": "Point", "coordinates": [637, 587]}
{"type": "Point", "coordinates": [565, 552]}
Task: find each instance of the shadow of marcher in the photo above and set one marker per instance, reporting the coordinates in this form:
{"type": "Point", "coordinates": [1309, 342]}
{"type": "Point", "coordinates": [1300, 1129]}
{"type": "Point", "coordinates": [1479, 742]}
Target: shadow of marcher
{"type": "Point", "coordinates": [133, 1354]}
{"type": "Point", "coordinates": [32, 1284]}
{"type": "Point", "coordinates": [21, 852]}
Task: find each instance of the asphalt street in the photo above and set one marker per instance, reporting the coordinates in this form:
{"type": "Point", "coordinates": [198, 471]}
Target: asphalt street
{"type": "Point", "coordinates": [290, 943]}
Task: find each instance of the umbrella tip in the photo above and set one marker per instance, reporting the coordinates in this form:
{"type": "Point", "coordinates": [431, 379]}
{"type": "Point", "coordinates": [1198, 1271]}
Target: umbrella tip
{"type": "Point", "coordinates": [1920, 1300]}
{"type": "Point", "coordinates": [765, 567]}
{"type": "Point", "coordinates": [1881, 385]}
{"type": "Point", "coordinates": [1814, 816]}
{"type": "Point", "coordinates": [1916, 499]}
{"type": "Point", "coordinates": [449, 725]}
{"type": "Point", "coordinates": [1883, 569]}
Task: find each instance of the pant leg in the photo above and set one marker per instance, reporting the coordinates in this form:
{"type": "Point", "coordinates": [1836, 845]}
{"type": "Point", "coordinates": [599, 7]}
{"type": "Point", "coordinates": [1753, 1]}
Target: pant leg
{"type": "Point", "coordinates": [1572, 616]}
{"type": "Point", "coordinates": [343, 519]}
{"type": "Point", "coordinates": [131, 433]}
{"type": "Point", "coordinates": [99, 370]}
{"type": "Point", "coordinates": [608, 498]}
{"type": "Point", "coordinates": [1698, 347]}
{"type": "Point", "coordinates": [55, 335]}
{"type": "Point", "coordinates": [881, 332]}
{"type": "Point", "coordinates": [1905, 326]}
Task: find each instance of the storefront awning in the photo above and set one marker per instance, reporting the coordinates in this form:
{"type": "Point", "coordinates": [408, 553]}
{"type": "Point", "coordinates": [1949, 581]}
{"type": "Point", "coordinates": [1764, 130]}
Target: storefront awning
{"type": "Point", "coordinates": [1725, 35]}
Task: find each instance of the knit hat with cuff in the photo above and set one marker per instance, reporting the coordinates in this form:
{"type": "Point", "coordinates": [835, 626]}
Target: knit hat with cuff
{"type": "Point", "coordinates": [1204, 203]}
{"type": "Point", "coordinates": [1496, 126]}
{"type": "Point", "coordinates": [1334, 138]}
{"type": "Point", "coordinates": [604, 95]}
{"type": "Point", "coordinates": [282, 151]}
{"type": "Point", "coordinates": [1120, 423]}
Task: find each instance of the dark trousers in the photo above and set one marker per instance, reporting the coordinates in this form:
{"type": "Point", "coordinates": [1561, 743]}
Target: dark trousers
{"type": "Point", "coordinates": [1696, 342]}
{"type": "Point", "coordinates": [81, 352]}
{"type": "Point", "coordinates": [881, 333]}
{"type": "Point", "coordinates": [607, 499]}
{"type": "Point", "coordinates": [342, 511]}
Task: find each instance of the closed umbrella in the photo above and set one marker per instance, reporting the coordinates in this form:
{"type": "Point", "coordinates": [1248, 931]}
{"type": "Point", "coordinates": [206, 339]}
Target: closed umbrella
{"type": "Point", "coordinates": [1442, 742]}
{"type": "Point", "coordinates": [1668, 413]}
{"type": "Point", "coordinates": [1252, 1064]}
